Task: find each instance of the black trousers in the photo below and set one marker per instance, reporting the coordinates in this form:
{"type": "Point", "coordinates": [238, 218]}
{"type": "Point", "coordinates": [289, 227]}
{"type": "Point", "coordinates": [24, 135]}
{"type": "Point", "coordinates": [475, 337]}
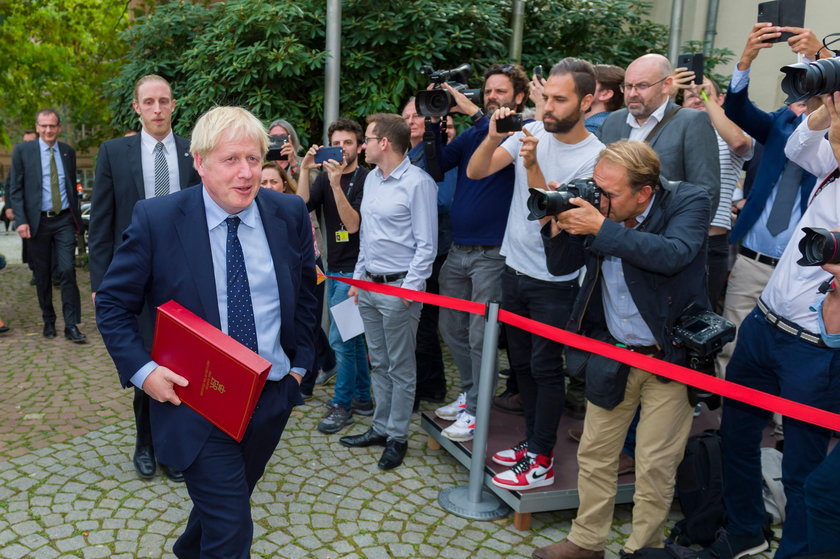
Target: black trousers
{"type": "Point", "coordinates": [431, 380]}
{"type": "Point", "coordinates": [56, 234]}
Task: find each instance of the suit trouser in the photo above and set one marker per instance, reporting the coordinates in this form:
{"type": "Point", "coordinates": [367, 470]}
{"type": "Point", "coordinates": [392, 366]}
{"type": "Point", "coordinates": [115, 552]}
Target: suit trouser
{"type": "Point", "coordinates": [391, 334]}
{"type": "Point", "coordinates": [770, 360]}
{"type": "Point", "coordinates": [58, 232]}
{"type": "Point", "coordinates": [746, 282]}
{"type": "Point", "coordinates": [663, 430]}
{"type": "Point", "coordinates": [472, 274]}
{"type": "Point", "coordinates": [223, 476]}
{"type": "Point", "coordinates": [822, 499]}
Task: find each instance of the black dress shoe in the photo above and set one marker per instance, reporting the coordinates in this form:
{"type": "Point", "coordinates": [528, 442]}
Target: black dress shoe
{"type": "Point", "coordinates": [174, 475]}
{"type": "Point", "coordinates": [4, 328]}
{"type": "Point", "coordinates": [73, 334]}
{"type": "Point", "coordinates": [49, 330]}
{"type": "Point", "coordinates": [144, 462]}
{"type": "Point", "coordinates": [393, 454]}
{"type": "Point", "coordinates": [368, 438]}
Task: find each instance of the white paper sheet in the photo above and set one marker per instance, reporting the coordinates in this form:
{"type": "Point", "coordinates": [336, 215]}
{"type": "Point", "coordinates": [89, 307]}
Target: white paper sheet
{"type": "Point", "coordinates": [347, 319]}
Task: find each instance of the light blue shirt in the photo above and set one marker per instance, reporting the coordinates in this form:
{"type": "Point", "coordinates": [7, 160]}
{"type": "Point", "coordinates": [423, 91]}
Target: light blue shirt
{"type": "Point", "coordinates": [46, 198]}
{"type": "Point", "coordinates": [261, 280]}
{"type": "Point", "coordinates": [623, 319]}
{"type": "Point", "coordinates": [758, 238]}
{"type": "Point", "coordinates": [399, 225]}
{"type": "Point", "coordinates": [831, 340]}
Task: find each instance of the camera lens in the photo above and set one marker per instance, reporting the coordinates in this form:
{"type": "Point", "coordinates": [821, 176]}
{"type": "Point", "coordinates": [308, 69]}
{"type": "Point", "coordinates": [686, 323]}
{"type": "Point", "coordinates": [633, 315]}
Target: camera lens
{"type": "Point", "coordinates": [433, 102]}
{"type": "Point", "coordinates": [818, 247]}
{"type": "Point", "coordinates": [802, 81]}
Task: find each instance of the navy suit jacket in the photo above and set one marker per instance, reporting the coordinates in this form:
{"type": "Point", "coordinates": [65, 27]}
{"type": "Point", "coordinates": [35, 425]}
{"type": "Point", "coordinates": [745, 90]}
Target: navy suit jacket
{"type": "Point", "coordinates": [772, 130]}
{"type": "Point", "coordinates": [26, 188]}
{"type": "Point", "coordinates": [165, 255]}
{"type": "Point", "coordinates": [117, 186]}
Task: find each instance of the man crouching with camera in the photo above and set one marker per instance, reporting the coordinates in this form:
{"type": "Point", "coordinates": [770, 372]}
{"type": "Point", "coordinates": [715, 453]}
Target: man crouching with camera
{"type": "Point", "coordinates": [644, 246]}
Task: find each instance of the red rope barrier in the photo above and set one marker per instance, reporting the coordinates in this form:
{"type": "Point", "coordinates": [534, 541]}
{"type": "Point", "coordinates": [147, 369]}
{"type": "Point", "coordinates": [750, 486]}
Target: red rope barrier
{"type": "Point", "coordinates": [707, 383]}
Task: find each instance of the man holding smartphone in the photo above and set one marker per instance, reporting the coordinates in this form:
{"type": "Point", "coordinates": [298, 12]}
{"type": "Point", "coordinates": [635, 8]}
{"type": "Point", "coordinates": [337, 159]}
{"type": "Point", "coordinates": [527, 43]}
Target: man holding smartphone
{"type": "Point", "coordinates": [338, 192]}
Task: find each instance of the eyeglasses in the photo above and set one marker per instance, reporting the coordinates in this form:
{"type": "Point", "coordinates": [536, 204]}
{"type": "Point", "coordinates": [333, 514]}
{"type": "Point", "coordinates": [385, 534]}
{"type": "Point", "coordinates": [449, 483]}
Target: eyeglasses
{"type": "Point", "coordinates": [368, 138]}
{"type": "Point", "coordinates": [640, 87]}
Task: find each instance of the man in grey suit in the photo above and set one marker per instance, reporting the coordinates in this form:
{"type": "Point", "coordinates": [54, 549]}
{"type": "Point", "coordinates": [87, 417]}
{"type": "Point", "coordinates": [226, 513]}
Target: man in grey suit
{"type": "Point", "coordinates": [153, 163]}
{"type": "Point", "coordinates": [683, 139]}
{"type": "Point", "coordinates": [46, 208]}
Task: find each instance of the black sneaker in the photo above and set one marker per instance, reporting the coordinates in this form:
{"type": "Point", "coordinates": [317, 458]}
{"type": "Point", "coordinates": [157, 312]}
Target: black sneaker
{"type": "Point", "coordinates": [361, 408]}
{"type": "Point", "coordinates": [335, 420]}
{"type": "Point", "coordinates": [727, 546]}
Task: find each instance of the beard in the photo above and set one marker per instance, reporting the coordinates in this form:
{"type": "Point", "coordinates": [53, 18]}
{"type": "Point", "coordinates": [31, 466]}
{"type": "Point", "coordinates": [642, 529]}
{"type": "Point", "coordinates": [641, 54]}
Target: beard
{"type": "Point", "coordinates": [562, 126]}
{"type": "Point", "coordinates": [351, 159]}
{"type": "Point", "coordinates": [491, 106]}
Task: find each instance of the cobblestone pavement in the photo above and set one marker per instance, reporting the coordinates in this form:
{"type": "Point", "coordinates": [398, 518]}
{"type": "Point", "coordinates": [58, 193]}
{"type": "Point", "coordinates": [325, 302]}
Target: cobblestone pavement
{"type": "Point", "coordinates": [68, 489]}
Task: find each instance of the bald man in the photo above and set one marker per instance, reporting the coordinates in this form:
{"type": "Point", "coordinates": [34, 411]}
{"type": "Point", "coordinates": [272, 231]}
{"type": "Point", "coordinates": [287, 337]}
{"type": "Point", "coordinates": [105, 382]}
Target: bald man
{"type": "Point", "coordinates": [683, 138]}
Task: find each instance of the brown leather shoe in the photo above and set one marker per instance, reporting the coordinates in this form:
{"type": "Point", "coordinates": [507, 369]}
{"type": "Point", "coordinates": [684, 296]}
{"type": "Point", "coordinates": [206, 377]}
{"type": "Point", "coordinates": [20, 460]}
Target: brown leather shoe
{"type": "Point", "coordinates": [566, 550]}
{"type": "Point", "coordinates": [626, 464]}
{"type": "Point", "coordinates": [510, 403]}
{"type": "Point", "coordinates": [575, 434]}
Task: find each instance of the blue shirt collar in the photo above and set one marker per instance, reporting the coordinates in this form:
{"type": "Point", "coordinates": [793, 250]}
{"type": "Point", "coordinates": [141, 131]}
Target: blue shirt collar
{"type": "Point", "coordinates": [216, 215]}
{"type": "Point", "coordinates": [46, 147]}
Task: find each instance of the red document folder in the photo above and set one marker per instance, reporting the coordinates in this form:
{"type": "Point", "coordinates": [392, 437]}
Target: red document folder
{"type": "Point", "coordinates": [226, 378]}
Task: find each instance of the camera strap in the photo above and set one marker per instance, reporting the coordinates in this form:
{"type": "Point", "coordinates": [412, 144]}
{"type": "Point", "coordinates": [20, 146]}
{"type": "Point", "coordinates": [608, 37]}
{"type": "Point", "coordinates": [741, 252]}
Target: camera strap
{"type": "Point", "coordinates": [828, 180]}
{"type": "Point", "coordinates": [662, 122]}
{"type": "Point", "coordinates": [430, 151]}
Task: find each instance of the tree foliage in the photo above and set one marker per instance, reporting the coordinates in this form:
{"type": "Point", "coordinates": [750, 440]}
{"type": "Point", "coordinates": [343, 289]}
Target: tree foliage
{"type": "Point", "coordinates": [59, 53]}
{"type": "Point", "coordinates": [269, 55]}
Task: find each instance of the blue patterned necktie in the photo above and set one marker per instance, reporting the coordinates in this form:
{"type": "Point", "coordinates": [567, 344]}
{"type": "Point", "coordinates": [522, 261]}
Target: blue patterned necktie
{"type": "Point", "coordinates": [240, 311]}
{"type": "Point", "coordinates": [161, 171]}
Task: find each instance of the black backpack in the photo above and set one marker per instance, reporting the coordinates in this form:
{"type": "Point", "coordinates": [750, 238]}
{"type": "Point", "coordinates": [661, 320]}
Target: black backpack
{"type": "Point", "coordinates": [700, 491]}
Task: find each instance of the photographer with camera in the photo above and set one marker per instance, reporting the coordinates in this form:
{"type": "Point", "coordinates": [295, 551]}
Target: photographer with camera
{"type": "Point", "coordinates": [478, 214]}
{"type": "Point", "coordinates": [787, 346]}
{"type": "Point", "coordinates": [643, 242]}
{"type": "Point", "coordinates": [778, 197]}
{"type": "Point", "coordinates": [284, 146]}
{"type": "Point", "coordinates": [559, 148]}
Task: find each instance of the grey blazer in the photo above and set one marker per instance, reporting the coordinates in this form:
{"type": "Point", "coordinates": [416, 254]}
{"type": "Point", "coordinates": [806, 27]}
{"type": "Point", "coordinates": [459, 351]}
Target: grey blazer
{"type": "Point", "coordinates": [686, 145]}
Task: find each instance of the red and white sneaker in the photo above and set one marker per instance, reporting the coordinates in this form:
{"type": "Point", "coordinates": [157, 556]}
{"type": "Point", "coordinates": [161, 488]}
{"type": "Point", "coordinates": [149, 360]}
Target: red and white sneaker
{"type": "Point", "coordinates": [528, 473]}
{"type": "Point", "coordinates": [511, 456]}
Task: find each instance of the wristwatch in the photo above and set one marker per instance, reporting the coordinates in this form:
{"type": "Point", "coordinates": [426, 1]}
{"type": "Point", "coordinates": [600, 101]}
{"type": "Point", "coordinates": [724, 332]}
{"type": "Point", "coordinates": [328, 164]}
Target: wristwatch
{"type": "Point", "coordinates": [478, 114]}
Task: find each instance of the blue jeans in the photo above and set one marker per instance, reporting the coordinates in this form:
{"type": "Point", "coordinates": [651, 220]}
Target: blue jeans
{"type": "Point", "coordinates": [822, 499]}
{"type": "Point", "coordinates": [768, 359]}
{"type": "Point", "coordinates": [352, 377]}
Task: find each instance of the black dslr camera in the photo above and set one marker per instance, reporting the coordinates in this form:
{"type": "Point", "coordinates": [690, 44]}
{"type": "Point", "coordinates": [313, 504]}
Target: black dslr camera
{"type": "Point", "coordinates": [437, 101]}
{"type": "Point", "coordinates": [552, 202]}
{"type": "Point", "coordinates": [703, 334]}
{"type": "Point", "coordinates": [819, 247]}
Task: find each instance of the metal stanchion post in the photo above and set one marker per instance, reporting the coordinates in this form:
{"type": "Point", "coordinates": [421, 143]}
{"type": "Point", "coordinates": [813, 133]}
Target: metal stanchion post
{"type": "Point", "coordinates": [473, 501]}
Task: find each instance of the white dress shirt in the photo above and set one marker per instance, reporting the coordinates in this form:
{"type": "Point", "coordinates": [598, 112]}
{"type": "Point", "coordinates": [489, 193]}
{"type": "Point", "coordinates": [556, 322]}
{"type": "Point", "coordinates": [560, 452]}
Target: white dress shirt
{"type": "Point", "coordinates": [147, 158]}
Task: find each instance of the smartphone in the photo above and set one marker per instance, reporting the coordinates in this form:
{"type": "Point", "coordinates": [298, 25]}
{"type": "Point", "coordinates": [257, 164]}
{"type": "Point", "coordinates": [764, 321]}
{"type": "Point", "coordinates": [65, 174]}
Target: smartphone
{"type": "Point", "coordinates": [511, 123]}
{"type": "Point", "coordinates": [782, 13]}
{"type": "Point", "coordinates": [275, 144]}
{"type": "Point", "coordinates": [538, 71]}
{"type": "Point", "coordinates": [329, 152]}
{"type": "Point", "coordinates": [693, 62]}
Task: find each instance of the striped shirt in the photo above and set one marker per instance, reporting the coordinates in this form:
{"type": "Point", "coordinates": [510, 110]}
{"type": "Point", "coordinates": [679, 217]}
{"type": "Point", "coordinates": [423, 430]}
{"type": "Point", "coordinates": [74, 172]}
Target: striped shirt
{"type": "Point", "coordinates": [731, 165]}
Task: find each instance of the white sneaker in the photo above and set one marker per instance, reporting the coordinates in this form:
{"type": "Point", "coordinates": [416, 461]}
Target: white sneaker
{"type": "Point", "coordinates": [449, 412]}
{"type": "Point", "coordinates": [463, 428]}
{"type": "Point", "coordinates": [528, 473]}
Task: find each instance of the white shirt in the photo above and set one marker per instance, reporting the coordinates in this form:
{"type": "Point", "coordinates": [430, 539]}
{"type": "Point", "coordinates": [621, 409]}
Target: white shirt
{"type": "Point", "coordinates": [147, 158]}
{"type": "Point", "coordinates": [523, 246]}
{"type": "Point", "coordinates": [792, 289]}
{"type": "Point", "coordinates": [640, 131]}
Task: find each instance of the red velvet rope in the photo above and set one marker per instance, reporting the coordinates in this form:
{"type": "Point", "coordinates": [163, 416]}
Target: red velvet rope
{"type": "Point", "coordinates": [704, 382]}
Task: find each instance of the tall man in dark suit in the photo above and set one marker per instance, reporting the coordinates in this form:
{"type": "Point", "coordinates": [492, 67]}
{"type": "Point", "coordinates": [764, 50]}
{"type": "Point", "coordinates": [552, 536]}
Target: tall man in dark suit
{"type": "Point", "coordinates": [226, 242]}
{"type": "Point", "coordinates": [46, 207]}
{"type": "Point", "coordinates": [152, 163]}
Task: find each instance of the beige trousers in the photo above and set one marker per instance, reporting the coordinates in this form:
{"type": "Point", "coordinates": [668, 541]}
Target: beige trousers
{"type": "Point", "coordinates": [660, 443]}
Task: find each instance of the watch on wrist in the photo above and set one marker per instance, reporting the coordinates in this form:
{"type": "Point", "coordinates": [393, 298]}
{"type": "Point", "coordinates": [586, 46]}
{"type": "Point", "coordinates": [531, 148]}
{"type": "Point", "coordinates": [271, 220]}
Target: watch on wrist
{"type": "Point", "coordinates": [477, 115]}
